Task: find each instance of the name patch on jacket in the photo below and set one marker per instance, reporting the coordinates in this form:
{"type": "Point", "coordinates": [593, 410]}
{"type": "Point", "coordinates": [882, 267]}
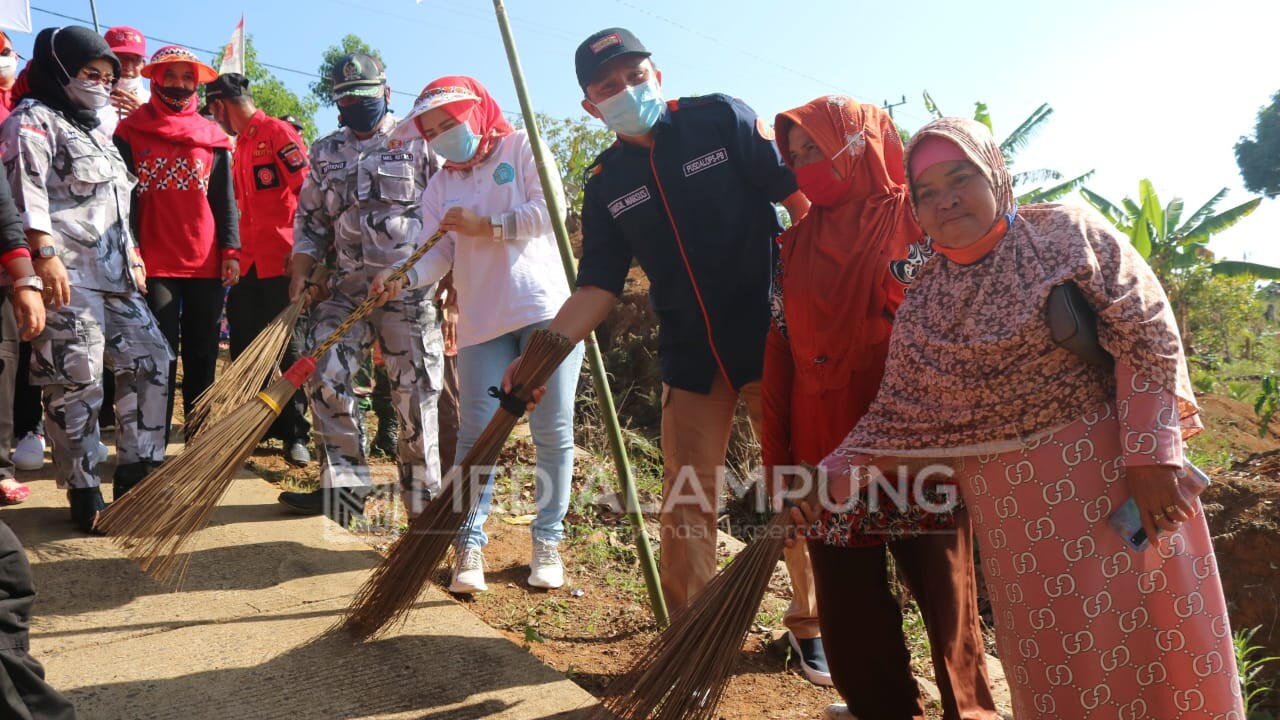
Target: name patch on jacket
{"type": "Point", "coordinates": [265, 176]}
{"type": "Point", "coordinates": [628, 201]}
{"type": "Point", "coordinates": [331, 166]}
{"type": "Point", "coordinates": [711, 159]}
{"type": "Point", "coordinates": [396, 156]}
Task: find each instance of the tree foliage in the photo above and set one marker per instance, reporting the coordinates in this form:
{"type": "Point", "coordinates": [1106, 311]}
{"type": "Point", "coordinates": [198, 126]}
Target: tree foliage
{"type": "Point", "coordinates": [1027, 185]}
{"type": "Point", "coordinates": [1259, 156]}
{"type": "Point", "coordinates": [574, 143]}
{"type": "Point", "coordinates": [271, 96]}
{"type": "Point", "coordinates": [322, 88]}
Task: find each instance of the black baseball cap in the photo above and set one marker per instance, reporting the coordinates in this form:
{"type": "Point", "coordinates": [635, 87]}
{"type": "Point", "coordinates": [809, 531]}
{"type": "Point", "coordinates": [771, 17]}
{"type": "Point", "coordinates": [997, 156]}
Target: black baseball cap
{"type": "Point", "coordinates": [602, 47]}
{"type": "Point", "coordinates": [227, 86]}
{"type": "Point", "coordinates": [358, 74]}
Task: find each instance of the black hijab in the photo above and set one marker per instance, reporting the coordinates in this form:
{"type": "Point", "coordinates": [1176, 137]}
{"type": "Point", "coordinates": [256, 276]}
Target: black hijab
{"type": "Point", "coordinates": [58, 55]}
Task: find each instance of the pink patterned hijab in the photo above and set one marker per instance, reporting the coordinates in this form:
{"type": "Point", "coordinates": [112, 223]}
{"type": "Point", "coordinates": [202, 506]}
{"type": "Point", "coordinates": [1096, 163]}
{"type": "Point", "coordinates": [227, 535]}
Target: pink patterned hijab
{"type": "Point", "coordinates": [972, 367]}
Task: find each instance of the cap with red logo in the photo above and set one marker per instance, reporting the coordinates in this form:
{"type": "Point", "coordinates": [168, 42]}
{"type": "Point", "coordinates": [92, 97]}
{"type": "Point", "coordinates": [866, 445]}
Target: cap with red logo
{"type": "Point", "coordinates": [602, 47]}
{"type": "Point", "coordinates": [124, 39]}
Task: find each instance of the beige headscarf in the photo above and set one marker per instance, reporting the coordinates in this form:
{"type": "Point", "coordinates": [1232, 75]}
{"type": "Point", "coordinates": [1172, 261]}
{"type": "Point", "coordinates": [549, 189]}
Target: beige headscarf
{"type": "Point", "coordinates": [972, 367]}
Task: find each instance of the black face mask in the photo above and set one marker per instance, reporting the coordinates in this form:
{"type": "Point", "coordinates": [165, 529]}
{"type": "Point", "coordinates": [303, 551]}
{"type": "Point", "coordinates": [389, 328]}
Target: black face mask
{"type": "Point", "coordinates": [365, 115]}
{"type": "Point", "coordinates": [175, 97]}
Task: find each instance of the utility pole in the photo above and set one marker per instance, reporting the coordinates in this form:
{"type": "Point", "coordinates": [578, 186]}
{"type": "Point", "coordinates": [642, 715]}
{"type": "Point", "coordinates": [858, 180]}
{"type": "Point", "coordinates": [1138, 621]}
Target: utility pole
{"type": "Point", "coordinates": [888, 106]}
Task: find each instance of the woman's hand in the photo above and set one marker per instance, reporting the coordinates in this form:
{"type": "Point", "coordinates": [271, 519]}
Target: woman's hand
{"type": "Point", "coordinates": [125, 102]}
{"type": "Point", "coordinates": [1160, 504]}
{"type": "Point", "coordinates": [384, 288]}
{"type": "Point", "coordinates": [57, 285]}
{"type": "Point", "coordinates": [230, 272]}
{"type": "Point", "coordinates": [507, 378]}
{"type": "Point", "coordinates": [465, 222]}
{"type": "Point", "coordinates": [802, 516]}
{"type": "Point", "coordinates": [28, 309]}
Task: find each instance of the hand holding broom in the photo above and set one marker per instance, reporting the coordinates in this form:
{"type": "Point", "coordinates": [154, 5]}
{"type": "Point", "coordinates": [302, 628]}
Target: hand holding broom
{"type": "Point", "coordinates": [157, 519]}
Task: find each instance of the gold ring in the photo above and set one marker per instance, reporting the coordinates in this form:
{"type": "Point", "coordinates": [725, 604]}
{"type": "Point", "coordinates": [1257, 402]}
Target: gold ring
{"type": "Point", "coordinates": [1157, 516]}
{"type": "Point", "coordinates": [1170, 509]}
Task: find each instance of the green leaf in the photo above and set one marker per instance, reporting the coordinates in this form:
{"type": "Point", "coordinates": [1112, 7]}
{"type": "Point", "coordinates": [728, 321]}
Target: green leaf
{"type": "Point", "coordinates": [1113, 214]}
{"type": "Point", "coordinates": [1200, 215]}
{"type": "Point", "coordinates": [1035, 177]}
{"type": "Point", "coordinates": [1227, 218]}
{"type": "Point", "coordinates": [1057, 191]}
{"type": "Point", "coordinates": [1141, 237]}
{"type": "Point", "coordinates": [1172, 214]}
{"type": "Point", "coordinates": [1152, 210]}
{"type": "Point", "coordinates": [931, 106]}
{"type": "Point", "coordinates": [1023, 134]}
{"type": "Point", "coordinates": [981, 114]}
{"type": "Point", "coordinates": [1240, 268]}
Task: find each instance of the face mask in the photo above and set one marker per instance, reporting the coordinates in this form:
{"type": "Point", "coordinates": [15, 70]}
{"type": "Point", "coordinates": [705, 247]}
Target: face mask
{"type": "Point", "coordinates": [818, 180]}
{"type": "Point", "coordinates": [88, 94]}
{"type": "Point", "coordinates": [8, 65]}
{"type": "Point", "coordinates": [132, 85]}
{"type": "Point", "coordinates": [457, 144]}
{"type": "Point", "coordinates": [365, 115]}
{"type": "Point", "coordinates": [634, 110]}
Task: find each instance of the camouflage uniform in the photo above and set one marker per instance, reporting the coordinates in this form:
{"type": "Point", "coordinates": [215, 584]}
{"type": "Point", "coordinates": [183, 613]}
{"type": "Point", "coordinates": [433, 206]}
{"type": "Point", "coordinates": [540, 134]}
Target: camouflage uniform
{"type": "Point", "coordinates": [360, 202]}
{"type": "Point", "coordinates": [74, 186]}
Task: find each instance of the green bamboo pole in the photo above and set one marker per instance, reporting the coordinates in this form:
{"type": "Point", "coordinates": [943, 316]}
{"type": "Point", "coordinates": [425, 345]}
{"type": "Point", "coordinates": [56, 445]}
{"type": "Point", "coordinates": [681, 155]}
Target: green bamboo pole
{"type": "Point", "coordinates": [551, 187]}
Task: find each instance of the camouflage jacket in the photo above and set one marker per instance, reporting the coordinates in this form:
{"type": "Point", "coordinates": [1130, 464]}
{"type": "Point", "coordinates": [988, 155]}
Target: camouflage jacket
{"type": "Point", "coordinates": [74, 186]}
{"type": "Point", "coordinates": [361, 203]}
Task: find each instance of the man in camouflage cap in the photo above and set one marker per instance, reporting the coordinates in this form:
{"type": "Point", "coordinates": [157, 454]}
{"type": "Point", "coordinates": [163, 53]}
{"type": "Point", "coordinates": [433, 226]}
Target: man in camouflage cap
{"type": "Point", "coordinates": [360, 206]}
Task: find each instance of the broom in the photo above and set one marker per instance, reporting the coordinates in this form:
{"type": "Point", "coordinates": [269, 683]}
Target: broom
{"type": "Point", "coordinates": [391, 590]}
{"type": "Point", "coordinates": [684, 671]}
{"type": "Point", "coordinates": [156, 519]}
{"type": "Point", "coordinates": [246, 375]}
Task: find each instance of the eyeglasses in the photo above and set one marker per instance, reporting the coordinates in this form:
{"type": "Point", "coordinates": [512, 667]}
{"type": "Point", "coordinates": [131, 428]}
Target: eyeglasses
{"type": "Point", "coordinates": [97, 77]}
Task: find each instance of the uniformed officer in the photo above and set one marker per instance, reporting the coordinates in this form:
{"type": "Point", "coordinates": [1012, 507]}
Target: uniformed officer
{"type": "Point", "coordinates": [360, 203]}
{"type": "Point", "coordinates": [73, 189]}
{"type": "Point", "coordinates": [688, 192]}
{"type": "Point", "coordinates": [269, 165]}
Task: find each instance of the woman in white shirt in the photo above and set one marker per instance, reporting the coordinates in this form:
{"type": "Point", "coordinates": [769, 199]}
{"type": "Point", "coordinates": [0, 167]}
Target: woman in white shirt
{"type": "Point", "coordinates": [510, 282]}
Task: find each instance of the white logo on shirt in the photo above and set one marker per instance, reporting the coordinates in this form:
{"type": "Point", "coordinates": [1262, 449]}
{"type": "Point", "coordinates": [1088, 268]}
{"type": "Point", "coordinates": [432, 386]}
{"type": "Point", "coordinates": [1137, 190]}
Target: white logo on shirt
{"type": "Point", "coordinates": [628, 201]}
{"type": "Point", "coordinates": [711, 159]}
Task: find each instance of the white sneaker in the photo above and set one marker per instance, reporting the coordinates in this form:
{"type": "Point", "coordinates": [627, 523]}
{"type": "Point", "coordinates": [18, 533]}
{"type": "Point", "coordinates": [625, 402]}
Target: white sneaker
{"type": "Point", "coordinates": [103, 453]}
{"type": "Point", "coordinates": [29, 455]}
{"type": "Point", "coordinates": [468, 573]}
{"type": "Point", "coordinates": [546, 570]}
{"type": "Point", "coordinates": [838, 711]}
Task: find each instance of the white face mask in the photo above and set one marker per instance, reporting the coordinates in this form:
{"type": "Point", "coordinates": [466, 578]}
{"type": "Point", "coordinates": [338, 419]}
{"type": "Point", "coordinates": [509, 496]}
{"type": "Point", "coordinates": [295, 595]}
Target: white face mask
{"type": "Point", "coordinates": [8, 65]}
{"type": "Point", "coordinates": [132, 85]}
{"type": "Point", "coordinates": [88, 94]}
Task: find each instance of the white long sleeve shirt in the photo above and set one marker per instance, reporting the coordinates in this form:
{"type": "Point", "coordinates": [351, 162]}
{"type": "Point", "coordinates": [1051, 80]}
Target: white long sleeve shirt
{"type": "Point", "coordinates": [503, 285]}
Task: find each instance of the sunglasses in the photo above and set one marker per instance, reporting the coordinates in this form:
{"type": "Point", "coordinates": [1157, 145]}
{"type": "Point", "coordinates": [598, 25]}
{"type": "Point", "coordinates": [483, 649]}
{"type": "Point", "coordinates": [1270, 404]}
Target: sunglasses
{"type": "Point", "coordinates": [97, 77]}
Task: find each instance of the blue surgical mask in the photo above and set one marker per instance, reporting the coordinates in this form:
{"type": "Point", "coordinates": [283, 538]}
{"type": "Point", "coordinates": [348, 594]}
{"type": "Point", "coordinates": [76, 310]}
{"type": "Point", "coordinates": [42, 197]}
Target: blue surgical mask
{"type": "Point", "coordinates": [457, 144]}
{"type": "Point", "coordinates": [365, 115]}
{"type": "Point", "coordinates": [634, 111]}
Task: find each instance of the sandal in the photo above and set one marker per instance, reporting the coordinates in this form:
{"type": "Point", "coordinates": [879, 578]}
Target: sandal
{"type": "Point", "coordinates": [13, 492]}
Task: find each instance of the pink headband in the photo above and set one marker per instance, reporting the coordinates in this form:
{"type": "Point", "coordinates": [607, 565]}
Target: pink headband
{"type": "Point", "coordinates": [930, 151]}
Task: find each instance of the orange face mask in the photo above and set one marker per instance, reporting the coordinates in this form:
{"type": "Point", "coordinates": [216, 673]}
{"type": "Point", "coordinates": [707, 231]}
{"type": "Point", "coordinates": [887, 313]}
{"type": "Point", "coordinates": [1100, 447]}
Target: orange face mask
{"type": "Point", "coordinates": [971, 254]}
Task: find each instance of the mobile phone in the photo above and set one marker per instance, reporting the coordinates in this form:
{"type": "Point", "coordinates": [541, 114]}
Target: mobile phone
{"type": "Point", "coordinates": [1128, 523]}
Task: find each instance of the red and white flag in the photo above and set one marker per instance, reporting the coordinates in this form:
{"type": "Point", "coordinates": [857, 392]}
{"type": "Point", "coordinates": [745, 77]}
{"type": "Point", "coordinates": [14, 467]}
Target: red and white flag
{"type": "Point", "coordinates": [233, 57]}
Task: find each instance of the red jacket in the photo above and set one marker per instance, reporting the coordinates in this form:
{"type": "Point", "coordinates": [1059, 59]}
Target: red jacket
{"type": "Point", "coordinates": [270, 163]}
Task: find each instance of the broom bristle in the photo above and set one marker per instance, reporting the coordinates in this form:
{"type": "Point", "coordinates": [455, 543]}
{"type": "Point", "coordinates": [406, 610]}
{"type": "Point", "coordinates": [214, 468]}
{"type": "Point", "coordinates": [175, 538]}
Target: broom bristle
{"type": "Point", "coordinates": [389, 593]}
{"type": "Point", "coordinates": [156, 519]}
{"type": "Point", "coordinates": [684, 671]}
{"type": "Point", "coordinates": [244, 377]}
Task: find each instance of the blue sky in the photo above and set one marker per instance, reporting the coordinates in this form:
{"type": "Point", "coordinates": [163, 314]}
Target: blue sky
{"type": "Point", "coordinates": [1140, 88]}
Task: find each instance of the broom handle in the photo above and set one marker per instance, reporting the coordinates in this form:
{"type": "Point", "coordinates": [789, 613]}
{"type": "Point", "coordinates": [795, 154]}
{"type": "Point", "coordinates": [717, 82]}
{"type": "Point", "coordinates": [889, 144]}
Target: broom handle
{"type": "Point", "coordinates": [363, 309]}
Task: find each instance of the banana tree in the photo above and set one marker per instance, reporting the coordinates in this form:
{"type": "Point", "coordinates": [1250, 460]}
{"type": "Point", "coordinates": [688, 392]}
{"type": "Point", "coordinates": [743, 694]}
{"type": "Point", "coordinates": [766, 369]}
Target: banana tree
{"type": "Point", "coordinates": [1015, 142]}
{"type": "Point", "coordinates": [1177, 248]}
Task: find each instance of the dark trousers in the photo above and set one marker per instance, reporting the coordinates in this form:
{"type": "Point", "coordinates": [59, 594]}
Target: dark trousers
{"type": "Point", "coordinates": [251, 305]}
{"type": "Point", "coordinates": [8, 373]}
{"type": "Point", "coordinates": [447, 410]}
{"type": "Point", "coordinates": [862, 625]}
{"type": "Point", "coordinates": [24, 695]}
{"type": "Point", "coordinates": [189, 312]}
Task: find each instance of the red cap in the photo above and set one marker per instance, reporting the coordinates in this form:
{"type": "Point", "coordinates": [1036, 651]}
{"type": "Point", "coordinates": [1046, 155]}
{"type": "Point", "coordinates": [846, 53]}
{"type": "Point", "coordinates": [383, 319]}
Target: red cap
{"type": "Point", "coordinates": [124, 39]}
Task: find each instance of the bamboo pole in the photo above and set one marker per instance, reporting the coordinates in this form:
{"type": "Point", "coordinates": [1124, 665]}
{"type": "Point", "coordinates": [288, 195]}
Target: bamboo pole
{"type": "Point", "coordinates": [551, 187]}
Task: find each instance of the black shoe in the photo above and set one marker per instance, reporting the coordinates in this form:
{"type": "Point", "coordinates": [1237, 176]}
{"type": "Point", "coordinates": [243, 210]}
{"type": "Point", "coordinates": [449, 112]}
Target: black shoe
{"type": "Point", "coordinates": [129, 475]}
{"type": "Point", "coordinates": [297, 454]}
{"type": "Point", "coordinates": [813, 659]}
{"type": "Point", "coordinates": [340, 504]}
{"type": "Point", "coordinates": [86, 503]}
{"type": "Point", "coordinates": [386, 442]}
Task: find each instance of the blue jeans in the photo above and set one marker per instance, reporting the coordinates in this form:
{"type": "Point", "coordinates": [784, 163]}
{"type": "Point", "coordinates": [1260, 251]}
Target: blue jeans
{"type": "Point", "coordinates": [551, 424]}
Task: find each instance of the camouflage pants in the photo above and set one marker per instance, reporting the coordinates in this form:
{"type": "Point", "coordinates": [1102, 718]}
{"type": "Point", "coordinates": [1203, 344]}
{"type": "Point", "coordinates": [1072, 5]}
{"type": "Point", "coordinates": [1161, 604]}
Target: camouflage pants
{"type": "Point", "coordinates": [408, 330]}
{"type": "Point", "coordinates": [67, 362]}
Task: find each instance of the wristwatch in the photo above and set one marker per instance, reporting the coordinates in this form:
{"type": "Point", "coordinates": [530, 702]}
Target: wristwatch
{"type": "Point", "coordinates": [46, 251]}
{"type": "Point", "coordinates": [495, 226]}
{"type": "Point", "coordinates": [31, 281]}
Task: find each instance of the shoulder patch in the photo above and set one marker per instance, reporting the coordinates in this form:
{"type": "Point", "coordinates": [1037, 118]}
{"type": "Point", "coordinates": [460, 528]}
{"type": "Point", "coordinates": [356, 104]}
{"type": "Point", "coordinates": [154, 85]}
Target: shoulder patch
{"type": "Point", "coordinates": [596, 170]}
{"type": "Point", "coordinates": [292, 157]}
{"type": "Point", "coordinates": [765, 130]}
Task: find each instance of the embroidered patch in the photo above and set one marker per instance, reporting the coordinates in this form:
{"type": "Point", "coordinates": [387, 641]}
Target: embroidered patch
{"type": "Point", "coordinates": [711, 159]}
{"type": "Point", "coordinates": [765, 130]}
{"type": "Point", "coordinates": [396, 156]}
{"type": "Point", "coordinates": [292, 157]}
{"type": "Point", "coordinates": [395, 145]}
{"type": "Point", "coordinates": [331, 166]}
{"type": "Point", "coordinates": [262, 150]}
{"type": "Point", "coordinates": [628, 201]}
{"type": "Point", "coordinates": [607, 41]}
{"type": "Point", "coordinates": [504, 174]}
{"type": "Point", "coordinates": [265, 177]}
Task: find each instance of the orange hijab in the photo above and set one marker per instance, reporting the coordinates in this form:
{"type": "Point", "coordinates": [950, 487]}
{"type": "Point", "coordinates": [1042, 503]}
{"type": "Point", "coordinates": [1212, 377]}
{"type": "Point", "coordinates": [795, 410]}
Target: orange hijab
{"type": "Point", "coordinates": [835, 261]}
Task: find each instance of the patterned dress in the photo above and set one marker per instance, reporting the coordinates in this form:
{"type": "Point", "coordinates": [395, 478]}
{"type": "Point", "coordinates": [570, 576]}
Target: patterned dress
{"type": "Point", "coordinates": [1088, 628]}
